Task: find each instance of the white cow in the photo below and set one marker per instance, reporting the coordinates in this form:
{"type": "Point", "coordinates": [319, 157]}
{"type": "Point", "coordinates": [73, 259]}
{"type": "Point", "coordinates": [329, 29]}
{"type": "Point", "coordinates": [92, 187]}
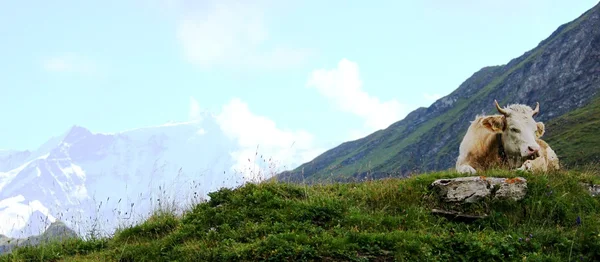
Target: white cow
{"type": "Point", "coordinates": [508, 140]}
{"type": "Point", "coordinates": [547, 160]}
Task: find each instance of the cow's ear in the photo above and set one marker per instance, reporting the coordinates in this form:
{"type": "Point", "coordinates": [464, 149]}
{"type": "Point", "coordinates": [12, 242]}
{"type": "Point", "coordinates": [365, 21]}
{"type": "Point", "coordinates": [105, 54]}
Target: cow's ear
{"type": "Point", "coordinates": [540, 129]}
{"type": "Point", "coordinates": [494, 123]}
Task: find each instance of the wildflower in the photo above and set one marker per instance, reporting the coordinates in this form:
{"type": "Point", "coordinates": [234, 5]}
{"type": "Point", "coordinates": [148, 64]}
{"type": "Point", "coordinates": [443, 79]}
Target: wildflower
{"type": "Point", "coordinates": [578, 220]}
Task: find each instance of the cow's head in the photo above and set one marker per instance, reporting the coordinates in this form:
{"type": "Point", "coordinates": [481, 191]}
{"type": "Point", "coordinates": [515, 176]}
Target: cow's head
{"type": "Point", "coordinates": [519, 130]}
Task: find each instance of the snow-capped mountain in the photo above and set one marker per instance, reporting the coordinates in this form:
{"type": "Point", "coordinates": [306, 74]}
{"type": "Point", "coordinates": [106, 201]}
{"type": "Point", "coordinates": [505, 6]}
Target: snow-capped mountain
{"type": "Point", "coordinates": [99, 181]}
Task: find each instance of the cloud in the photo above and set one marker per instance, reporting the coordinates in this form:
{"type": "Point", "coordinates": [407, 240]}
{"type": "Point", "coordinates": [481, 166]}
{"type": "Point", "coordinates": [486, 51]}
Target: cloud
{"type": "Point", "coordinates": [259, 136]}
{"type": "Point", "coordinates": [69, 62]}
{"type": "Point", "coordinates": [195, 113]}
{"type": "Point", "coordinates": [432, 97]}
{"type": "Point", "coordinates": [343, 86]}
{"type": "Point", "coordinates": [229, 33]}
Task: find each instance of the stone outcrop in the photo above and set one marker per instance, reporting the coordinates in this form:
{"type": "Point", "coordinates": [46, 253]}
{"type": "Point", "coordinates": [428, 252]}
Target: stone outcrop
{"type": "Point", "coordinates": [474, 189]}
{"type": "Point", "coordinates": [592, 188]}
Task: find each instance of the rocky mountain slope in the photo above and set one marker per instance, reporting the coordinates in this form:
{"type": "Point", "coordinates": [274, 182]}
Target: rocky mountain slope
{"type": "Point", "coordinates": [562, 73]}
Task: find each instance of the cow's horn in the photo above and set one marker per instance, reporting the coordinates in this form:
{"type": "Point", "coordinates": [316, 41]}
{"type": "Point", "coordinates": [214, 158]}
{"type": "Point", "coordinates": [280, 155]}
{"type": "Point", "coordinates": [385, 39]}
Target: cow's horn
{"type": "Point", "coordinates": [537, 109]}
{"type": "Point", "coordinates": [502, 111]}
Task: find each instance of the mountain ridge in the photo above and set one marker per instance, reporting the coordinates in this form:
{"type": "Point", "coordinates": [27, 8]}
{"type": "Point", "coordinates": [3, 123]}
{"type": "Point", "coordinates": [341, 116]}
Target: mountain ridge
{"type": "Point", "coordinates": [561, 73]}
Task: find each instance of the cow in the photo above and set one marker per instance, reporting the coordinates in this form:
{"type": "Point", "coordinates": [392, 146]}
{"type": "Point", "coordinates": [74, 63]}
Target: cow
{"type": "Point", "coordinates": [509, 139]}
{"type": "Point", "coordinates": [547, 160]}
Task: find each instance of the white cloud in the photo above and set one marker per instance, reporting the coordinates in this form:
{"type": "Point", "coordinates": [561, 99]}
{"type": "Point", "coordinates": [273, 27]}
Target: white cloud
{"type": "Point", "coordinates": [232, 33]}
{"type": "Point", "coordinates": [69, 62]}
{"type": "Point", "coordinates": [343, 86]}
{"type": "Point", "coordinates": [432, 97]}
{"type": "Point", "coordinates": [195, 113]}
{"type": "Point", "coordinates": [260, 136]}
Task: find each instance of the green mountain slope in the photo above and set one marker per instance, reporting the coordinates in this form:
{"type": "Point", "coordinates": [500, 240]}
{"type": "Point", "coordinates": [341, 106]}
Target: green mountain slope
{"type": "Point", "coordinates": [562, 73]}
{"type": "Point", "coordinates": [576, 135]}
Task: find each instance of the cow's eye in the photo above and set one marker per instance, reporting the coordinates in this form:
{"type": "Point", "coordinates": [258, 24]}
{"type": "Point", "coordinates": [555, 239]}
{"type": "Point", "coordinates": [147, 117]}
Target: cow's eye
{"type": "Point", "coordinates": [515, 130]}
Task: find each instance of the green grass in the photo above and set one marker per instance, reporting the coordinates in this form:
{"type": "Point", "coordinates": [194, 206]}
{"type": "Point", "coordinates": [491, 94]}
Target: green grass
{"type": "Point", "coordinates": [574, 136]}
{"type": "Point", "coordinates": [381, 220]}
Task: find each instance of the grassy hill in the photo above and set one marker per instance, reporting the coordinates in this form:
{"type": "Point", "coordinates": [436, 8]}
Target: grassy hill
{"type": "Point", "coordinates": [381, 220]}
{"type": "Point", "coordinates": [575, 135]}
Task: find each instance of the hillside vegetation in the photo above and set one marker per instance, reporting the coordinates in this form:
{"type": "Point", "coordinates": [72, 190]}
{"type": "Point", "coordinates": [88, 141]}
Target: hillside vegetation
{"type": "Point", "coordinates": [381, 220]}
{"type": "Point", "coordinates": [575, 136]}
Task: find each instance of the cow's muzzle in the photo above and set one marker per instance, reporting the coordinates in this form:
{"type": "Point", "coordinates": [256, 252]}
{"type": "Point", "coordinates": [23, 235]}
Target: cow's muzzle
{"type": "Point", "coordinates": [534, 155]}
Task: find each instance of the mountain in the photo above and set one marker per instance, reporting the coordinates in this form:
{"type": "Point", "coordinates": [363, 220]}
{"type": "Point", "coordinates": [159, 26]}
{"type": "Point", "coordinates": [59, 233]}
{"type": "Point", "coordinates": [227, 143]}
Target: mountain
{"type": "Point", "coordinates": [100, 181]}
{"type": "Point", "coordinates": [576, 135]}
{"type": "Point", "coordinates": [55, 231]}
{"type": "Point", "coordinates": [562, 73]}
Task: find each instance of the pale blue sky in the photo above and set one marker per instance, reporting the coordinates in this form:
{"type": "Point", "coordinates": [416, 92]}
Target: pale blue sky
{"type": "Point", "coordinates": [113, 65]}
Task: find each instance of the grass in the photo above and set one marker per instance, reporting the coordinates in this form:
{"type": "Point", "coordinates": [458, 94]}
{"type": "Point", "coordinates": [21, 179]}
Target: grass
{"type": "Point", "coordinates": [574, 135]}
{"type": "Point", "coordinates": [381, 220]}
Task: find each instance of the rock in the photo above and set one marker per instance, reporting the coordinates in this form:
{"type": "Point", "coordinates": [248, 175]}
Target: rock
{"type": "Point", "coordinates": [593, 189]}
{"type": "Point", "coordinates": [457, 215]}
{"type": "Point", "coordinates": [473, 189]}
{"type": "Point", "coordinates": [509, 188]}
{"type": "Point", "coordinates": [467, 189]}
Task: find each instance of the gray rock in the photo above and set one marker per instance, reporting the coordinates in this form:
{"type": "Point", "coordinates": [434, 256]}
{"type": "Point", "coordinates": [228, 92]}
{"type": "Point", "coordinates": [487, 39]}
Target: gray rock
{"type": "Point", "coordinates": [511, 188]}
{"type": "Point", "coordinates": [592, 188]}
{"type": "Point", "coordinates": [473, 189]}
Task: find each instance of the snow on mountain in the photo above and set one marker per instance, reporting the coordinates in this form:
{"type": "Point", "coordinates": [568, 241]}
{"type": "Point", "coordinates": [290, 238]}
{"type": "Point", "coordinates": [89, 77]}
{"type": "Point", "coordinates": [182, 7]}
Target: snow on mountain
{"type": "Point", "coordinates": [10, 159]}
{"type": "Point", "coordinates": [99, 181]}
{"type": "Point", "coordinates": [20, 218]}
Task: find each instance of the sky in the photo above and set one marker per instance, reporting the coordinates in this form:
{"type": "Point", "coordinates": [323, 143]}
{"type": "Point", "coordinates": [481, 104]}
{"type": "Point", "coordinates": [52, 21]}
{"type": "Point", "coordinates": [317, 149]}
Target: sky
{"type": "Point", "coordinates": [314, 73]}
